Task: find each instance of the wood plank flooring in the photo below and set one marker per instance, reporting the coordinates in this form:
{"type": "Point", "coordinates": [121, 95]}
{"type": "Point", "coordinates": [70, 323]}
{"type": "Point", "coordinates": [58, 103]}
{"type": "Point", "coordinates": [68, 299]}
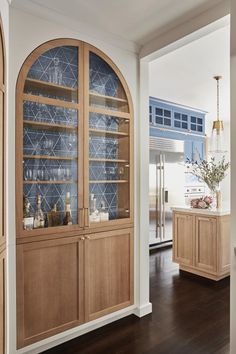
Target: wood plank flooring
{"type": "Point", "coordinates": [190, 316]}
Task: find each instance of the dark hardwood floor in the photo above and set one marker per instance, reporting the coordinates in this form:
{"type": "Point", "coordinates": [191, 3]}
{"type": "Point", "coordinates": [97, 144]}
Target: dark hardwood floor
{"type": "Point", "coordinates": [190, 316]}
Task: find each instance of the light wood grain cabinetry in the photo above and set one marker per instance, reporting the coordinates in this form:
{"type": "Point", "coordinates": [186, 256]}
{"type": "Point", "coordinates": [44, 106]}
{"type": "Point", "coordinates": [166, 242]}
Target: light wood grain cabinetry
{"type": "Point", "coordinates": [49, 288]}
{"type": "Point", "coordinates": [183, 240]}
{"type": "Point", "coordinates": [206, 244]}
{"type": "Point", "coordinates": [108, 272]}
{"type": "Point", "coordinates": [201, 244]}
{"type": "Point", "coordinates": [74, 134]}
{"type": "Point", "coordinates": [63, 283]}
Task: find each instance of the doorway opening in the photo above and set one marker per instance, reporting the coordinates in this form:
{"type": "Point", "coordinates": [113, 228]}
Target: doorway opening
{"type": "Point", "coordinates": [181, 84]}
{"type": "Point", "coordinates": [182, 108]}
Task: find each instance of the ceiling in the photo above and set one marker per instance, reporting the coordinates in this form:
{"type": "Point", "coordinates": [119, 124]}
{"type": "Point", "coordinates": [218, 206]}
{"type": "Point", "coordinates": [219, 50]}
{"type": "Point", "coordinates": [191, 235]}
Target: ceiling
{"type": "Point", "coordinates": [185, 75]}
{"type": "Point", "coordinates": [136, 20]}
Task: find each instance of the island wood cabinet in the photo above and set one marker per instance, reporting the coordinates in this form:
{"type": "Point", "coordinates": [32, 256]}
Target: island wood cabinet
{"type": "Point", "coordinates": [74, 139]}
{"type": "Point", "coordinates": [201, 244]}
{"type": "Point", "coordinates": [64, 283]}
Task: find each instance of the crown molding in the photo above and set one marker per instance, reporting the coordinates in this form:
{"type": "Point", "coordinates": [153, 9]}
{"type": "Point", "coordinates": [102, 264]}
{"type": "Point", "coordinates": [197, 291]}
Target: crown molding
{"type": "Point", "coordinates": [205, 22]}
{"type": "Point", "coordinates": [85, 29]}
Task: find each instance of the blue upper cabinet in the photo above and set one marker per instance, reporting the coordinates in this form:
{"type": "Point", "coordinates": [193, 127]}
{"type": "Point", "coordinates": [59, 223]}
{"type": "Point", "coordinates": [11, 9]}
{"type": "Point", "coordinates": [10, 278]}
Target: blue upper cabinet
{"type": "Point", "coordinates": [167, 115]}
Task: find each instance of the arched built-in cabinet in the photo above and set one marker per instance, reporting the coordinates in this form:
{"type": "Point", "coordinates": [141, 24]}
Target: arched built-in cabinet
{"type": "Point", "coordinates": [74, 189]}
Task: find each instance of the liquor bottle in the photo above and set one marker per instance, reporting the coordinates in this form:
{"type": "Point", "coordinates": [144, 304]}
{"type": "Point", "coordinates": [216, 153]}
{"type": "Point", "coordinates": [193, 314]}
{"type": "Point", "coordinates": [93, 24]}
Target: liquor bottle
{"type": "Point", "coordinates": [94, 214]}
{"type": "Point", "coordinates": [39, 216]}
{"type": "Point", "coordinates": [28, 219]}
{"type": "Point", "coordinates": [54, 217]}
{"type": "Point", "coordinates": [103, 213]}
{"type": "Point", "coordinates": [46, 220]}
{"type": "Point", "coordinates": [67, 219]}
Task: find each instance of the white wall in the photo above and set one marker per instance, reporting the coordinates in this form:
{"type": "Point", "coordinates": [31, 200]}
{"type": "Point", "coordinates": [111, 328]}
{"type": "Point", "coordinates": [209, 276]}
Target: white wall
{"type": "Point", "coordinates": [4, 11]}
{"type": "Point", "coordinates": [233, 178]}
{"type": "Point", "coordinates": [185, 76]}
{"type": "Point", "coordinates": [26, 33]}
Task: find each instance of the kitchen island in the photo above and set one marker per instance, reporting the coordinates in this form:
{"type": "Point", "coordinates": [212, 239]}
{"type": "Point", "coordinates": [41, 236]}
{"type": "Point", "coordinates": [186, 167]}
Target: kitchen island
{"type": "Point", "coordinates": [201, 241]}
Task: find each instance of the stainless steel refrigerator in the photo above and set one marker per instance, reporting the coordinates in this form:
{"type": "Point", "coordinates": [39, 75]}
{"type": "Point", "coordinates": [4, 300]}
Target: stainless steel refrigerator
{"type": "Point", "coordinates": [166, 186]}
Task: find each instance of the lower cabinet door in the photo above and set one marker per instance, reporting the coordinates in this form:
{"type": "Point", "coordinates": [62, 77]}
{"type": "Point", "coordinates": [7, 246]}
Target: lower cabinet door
{"type": "Point", "coordinates": [2, 302]}
{"type": "Point", "coordinates": [206, 244]}
{"type": "Point", "coordinates": [49, 288]}
{"type": "Point", "coordinates": [108, 272]}
{"type": "Point", "coordinates": [183, 239]}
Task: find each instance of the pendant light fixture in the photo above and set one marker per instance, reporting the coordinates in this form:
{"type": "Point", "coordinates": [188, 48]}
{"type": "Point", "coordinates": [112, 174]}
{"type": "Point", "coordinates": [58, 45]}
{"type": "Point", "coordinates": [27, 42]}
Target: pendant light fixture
{"type": "Point", "coordinates": [217, 136]}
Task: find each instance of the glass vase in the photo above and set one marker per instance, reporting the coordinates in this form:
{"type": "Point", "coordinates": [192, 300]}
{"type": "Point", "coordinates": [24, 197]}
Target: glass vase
{"type": "Point", "coordinates": [217, 198]}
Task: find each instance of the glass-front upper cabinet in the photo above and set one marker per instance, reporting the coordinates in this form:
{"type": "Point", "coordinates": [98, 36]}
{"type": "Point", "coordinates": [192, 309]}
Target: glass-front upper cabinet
{"type": "Point", "coordinates": [109, 142]}
{"type": "Point", "coordinates": [73, 140]}
{"type": "Point", "coordinates": [51, 127]}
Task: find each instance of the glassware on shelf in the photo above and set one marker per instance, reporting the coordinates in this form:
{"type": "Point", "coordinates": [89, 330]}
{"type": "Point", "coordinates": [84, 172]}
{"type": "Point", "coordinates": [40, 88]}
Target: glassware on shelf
{"type": "Point", "coordinates": [103, 213]}
{"type": "Point", "coordinates": [55, 72]}
{"type": "Point", "coordinates": [39, 216]}
{"type": "Point", "coordinates": [94, 213]}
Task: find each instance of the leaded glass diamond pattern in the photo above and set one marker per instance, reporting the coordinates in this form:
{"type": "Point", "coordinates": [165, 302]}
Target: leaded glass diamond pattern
{"type": "Point", "coordinates": [52, 194]}
{"type": "Point", "coordinates": [107, 193]}
{"type": "Point", "coordinates": [103, 147]}
{"type": "Point", "coordinates": [50, 143]}
{"type": "Point", "coordinates": [45, 113]}
{"type": "Point", "coordinates": [68, 64]}
{"type": "Point", "coordinates": [104, 122]}
{"type": "Point", "coordinates": [102, 79]}
{"type": "Point", "coordinates": [103, 171]}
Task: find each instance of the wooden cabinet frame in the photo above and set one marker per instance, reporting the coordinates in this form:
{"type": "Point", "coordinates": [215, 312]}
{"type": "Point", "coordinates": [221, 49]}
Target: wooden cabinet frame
{"type": "Point", "coordinates": [32, 269]}
{"type": "Point", "coordinates": [83, 109]}
{"type": "Point", "coordinates": [70, 246]}
{"type": "Point", "coordinates": [211, 254]}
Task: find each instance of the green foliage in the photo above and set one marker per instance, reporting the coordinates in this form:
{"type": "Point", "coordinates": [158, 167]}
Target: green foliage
{"type": "Point", "coordinates": [210, 172]}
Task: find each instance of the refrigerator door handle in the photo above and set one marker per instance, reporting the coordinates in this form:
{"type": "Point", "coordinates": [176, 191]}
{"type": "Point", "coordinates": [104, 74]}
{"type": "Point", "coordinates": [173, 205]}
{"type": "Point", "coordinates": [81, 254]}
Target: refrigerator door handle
{"type": "Point", "coordinates": [166, 196]}
{"type": "Point", "coordinates": [157, 197]}
{"type": "Point", "coordinates": [163, 196]}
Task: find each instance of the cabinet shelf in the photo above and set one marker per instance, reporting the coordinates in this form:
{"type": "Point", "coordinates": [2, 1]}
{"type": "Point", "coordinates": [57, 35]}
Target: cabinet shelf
{"type": "Point", "coordinates": [39, 84]}
{"type": "Point", "coordinates": [108, 133]}
{"type": "Point", "coordinates": [109, 181]}
{"type": "Point", "coordinates": [108, 160]}
{"type": "Point", "coordinates": [45, 157]}
{"type": "Point", "coordinates": [49, 182]}
{"type": "Point", "coordinates": [48, 126]}
{"type": "Point", "coordinates": [98, 96]}
{"type": "Point", "coordinates": [50, 101]}
{"type": "Point", "coordinates": [109, 112]}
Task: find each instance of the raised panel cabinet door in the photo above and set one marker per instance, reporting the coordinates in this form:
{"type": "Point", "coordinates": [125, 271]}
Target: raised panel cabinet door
{"type": "Point", "coordinates": [108, 272]}
{"type": "Point", "coordinates": [2, 302]}
{"type": "Point", "coordinates": [224, 244]}
{"type": "Point", "coordinates": [206, 244]}
{"type": "Point", "coordinates": [50, 288]}
{"type": "Point", "coordinates": [183, 239]}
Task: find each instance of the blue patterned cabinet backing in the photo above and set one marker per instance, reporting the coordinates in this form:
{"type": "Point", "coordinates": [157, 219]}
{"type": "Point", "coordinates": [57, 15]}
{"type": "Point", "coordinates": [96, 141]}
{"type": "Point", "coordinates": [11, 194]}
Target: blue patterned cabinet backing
{"type": "Point", "coordinates": [53, 134]}
{"type": "Point", "coordinates": [174, 121]}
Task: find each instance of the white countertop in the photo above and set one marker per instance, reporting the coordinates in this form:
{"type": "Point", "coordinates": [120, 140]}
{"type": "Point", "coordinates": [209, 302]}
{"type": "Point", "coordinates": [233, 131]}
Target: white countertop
{"type": "Point", "coordinates": [213, 212]}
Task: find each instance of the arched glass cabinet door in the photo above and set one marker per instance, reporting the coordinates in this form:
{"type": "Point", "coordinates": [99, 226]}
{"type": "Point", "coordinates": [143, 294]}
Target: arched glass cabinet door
{"type": "Point", "coordinates": [49, 138]}
{"type": "Point", "coordinates": [108, 120]}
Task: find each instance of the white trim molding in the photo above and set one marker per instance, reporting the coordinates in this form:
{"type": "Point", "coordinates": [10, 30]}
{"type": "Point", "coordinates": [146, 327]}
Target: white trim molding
{"type": "Point", "coordinates": [143, 310]}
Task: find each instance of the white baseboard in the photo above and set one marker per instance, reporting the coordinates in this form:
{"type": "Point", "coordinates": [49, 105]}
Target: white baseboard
{"type": "Point", "coordinates": [143, 310]}
{"type": "Point", "coordinates": [76, 332]}
{"type": "Point", "coordinates": [85, 328]}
